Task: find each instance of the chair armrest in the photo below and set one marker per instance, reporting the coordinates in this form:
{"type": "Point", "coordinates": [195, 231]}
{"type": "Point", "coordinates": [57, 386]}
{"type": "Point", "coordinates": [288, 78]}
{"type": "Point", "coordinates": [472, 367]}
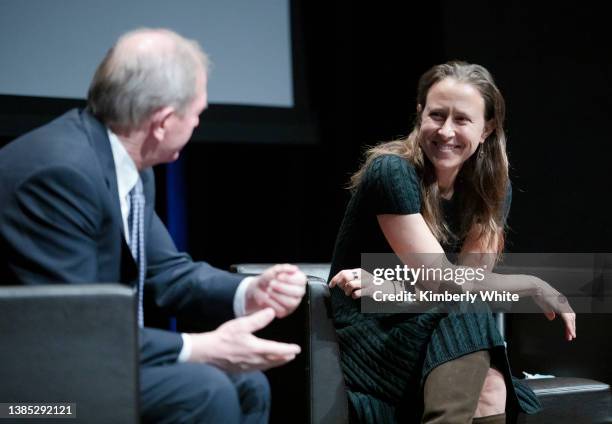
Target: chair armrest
{"type": "Point", "coordinates": [71, 343]}
{"type": "Point", "coordinates": [312, 269]}
{"type": "Point", "coordinates": [328, 399]}
{"type": "Point", "coordinates": [570, 400]}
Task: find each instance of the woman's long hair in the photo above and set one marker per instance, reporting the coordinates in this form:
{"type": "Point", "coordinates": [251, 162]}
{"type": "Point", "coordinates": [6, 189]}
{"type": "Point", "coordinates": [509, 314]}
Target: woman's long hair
{"type": "Point", "coordinates": [483, 179]}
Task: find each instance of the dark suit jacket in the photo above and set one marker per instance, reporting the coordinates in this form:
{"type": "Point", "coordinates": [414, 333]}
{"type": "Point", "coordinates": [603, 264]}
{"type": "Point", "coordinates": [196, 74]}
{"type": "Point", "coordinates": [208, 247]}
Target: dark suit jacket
{"type": "Point", "coordinates": [60, 222]}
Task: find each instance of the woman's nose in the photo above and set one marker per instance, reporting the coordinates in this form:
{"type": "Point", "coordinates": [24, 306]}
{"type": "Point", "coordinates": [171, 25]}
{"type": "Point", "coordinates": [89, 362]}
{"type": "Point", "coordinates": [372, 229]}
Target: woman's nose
{"type": "Point", "coordinates": [447, 129]}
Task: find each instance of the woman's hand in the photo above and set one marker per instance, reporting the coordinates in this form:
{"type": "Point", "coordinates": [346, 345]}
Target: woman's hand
{"type": "Point", "coordinates": [349, 281]}
{"type": "Point", "coordinates": [552, 302]}
{"type": "Point", "coordinates": [358, 283]}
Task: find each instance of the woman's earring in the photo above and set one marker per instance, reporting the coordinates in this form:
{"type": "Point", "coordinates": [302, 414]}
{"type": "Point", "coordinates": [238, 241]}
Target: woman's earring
{"type": "Point", "coordinates": [481, 152]}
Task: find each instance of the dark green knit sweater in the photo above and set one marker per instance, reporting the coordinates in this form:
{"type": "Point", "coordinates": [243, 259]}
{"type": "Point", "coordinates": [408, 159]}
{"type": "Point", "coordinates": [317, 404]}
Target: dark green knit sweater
{"type": "Point", "coordinates": [385, 358]}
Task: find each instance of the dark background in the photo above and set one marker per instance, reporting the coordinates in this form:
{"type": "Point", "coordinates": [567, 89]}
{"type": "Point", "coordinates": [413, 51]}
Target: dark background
{"type": "Point", "coordinates": [268, 185]}
{"type": "Point", "coordinates": [274, 201]}
{"type": "Point", "coordinates": [253, 202]}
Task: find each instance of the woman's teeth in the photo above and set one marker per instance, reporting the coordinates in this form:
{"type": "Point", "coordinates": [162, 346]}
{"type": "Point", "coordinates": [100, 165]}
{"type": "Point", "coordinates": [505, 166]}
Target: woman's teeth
{"type": "Point", "coordinates": [446, 147]}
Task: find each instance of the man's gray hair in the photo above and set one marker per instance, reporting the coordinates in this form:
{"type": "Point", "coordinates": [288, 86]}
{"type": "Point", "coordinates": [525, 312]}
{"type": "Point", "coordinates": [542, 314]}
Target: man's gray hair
{"type": "Point", "coordinates": [132, 82]}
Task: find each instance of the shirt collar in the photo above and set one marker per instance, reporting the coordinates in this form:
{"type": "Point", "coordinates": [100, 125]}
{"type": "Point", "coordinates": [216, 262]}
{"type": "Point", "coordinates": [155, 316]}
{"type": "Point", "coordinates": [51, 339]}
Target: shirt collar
{"type": "Point", "coordinates": [127, 173]}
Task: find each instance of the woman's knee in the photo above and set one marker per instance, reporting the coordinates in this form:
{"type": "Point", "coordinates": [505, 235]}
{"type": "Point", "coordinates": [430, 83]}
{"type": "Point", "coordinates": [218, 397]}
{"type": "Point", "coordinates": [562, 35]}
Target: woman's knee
{"type": "Point", "coordinates": [492, 398]}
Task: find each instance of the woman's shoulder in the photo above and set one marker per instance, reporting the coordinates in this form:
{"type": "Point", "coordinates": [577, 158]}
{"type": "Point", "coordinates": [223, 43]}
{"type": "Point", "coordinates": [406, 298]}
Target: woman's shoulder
{"type": "Point", "coordinates": [391, 182]}
{"type": "Point", "coordinates": [391, 163]}
{"type": "Point", "coordinates": [389, 167]}
{"type": "Point", "coordinates": [391, 159]}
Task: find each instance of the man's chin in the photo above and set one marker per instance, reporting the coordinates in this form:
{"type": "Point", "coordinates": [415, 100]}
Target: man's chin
{"type": "Point", "coordinates": [167, 157]}
{"type": "Point", "coordinates": [172, 157]}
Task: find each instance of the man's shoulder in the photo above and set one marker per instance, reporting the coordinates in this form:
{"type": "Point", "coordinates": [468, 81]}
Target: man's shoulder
{"type": "Point", "coordinates": [63, 132]}
{"type": "Point", "coordinates": [63, 142]}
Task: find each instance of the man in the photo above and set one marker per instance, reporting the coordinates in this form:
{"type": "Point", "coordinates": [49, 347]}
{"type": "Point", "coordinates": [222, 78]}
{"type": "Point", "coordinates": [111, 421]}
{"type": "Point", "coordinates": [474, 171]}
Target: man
{"type": "Point", "coordinates": [77, 200]}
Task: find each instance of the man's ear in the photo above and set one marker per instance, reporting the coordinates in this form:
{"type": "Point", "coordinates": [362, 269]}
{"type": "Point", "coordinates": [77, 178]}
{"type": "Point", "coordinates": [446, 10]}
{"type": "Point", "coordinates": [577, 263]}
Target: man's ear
{"type": "Point", "coordinates": [159, 122]}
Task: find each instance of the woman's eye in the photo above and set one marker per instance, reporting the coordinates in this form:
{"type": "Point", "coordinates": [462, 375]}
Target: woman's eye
{"type": "Point", "coordinates": [436, 115]}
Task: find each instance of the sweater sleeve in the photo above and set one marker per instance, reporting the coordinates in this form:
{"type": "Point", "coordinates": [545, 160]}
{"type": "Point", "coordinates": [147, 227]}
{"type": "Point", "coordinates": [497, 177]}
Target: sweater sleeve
{"type": "Point", "coordinates": [392, 186]}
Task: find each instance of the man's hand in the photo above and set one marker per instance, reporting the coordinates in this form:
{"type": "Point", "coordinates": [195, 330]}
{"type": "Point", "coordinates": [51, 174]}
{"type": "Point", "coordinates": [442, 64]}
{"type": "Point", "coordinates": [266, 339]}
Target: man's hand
{"type": "Point", "coordinates": [280, 287]}
{"type": "Point", "coordinates": [233, 347]}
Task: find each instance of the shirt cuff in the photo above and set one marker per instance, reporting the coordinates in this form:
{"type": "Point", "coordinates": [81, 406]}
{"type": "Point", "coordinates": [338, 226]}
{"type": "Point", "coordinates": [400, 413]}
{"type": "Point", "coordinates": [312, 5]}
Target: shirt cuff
{"type": "Point", "coordinates": [239, 297]}
{"type": "Point", "coordinates": [186, 349]}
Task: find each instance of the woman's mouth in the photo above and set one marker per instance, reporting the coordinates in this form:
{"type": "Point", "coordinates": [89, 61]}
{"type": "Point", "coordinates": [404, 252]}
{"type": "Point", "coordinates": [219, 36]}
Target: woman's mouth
{"type": "Point", "coordinates": [446, 147]}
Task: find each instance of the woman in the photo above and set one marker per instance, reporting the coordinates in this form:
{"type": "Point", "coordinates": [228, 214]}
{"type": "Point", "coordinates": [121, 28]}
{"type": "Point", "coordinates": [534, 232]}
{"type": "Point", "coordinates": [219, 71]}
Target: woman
{"type": "Point", "coordinates": [444, 188]}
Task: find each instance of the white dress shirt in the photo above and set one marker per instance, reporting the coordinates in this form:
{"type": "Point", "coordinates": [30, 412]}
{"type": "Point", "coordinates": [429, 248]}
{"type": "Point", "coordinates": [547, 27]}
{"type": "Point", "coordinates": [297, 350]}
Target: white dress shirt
{"type": "Point", "coordinates": [127, 177]}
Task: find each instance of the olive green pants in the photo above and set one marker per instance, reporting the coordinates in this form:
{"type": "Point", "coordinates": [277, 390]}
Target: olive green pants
{"type": "Point", "coordinates": [452, 390]}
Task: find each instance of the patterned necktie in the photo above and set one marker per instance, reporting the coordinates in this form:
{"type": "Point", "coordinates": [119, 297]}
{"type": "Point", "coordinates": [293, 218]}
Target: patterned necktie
{"type": "Point", "coordinates": [136, 230]}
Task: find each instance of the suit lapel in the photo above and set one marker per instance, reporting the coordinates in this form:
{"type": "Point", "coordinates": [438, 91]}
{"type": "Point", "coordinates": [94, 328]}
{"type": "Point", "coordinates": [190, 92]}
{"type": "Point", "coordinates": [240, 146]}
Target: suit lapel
{"type": "Point", "coordinates": [98, 138]}
{"type": "Point", "coordinates": [148, 183]}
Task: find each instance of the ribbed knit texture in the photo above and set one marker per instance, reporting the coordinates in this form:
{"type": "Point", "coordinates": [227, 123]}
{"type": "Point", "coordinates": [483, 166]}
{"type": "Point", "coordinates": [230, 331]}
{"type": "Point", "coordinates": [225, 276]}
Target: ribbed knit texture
{"type": "Point", "coordinates": [386, 357]}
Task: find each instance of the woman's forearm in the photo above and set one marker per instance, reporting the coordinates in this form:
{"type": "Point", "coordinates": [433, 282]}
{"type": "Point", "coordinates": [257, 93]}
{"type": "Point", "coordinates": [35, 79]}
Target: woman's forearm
{"type": "Point", "coordinates": [483, 280]}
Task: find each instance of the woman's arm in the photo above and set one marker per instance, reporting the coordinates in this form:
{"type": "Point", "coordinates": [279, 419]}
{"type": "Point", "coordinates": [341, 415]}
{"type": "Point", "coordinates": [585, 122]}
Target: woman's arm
{"type": "Point", "coordinates": [415, 245]}
{"type": "Point", "coordinates": [410, 237]}
{"type": "Point", "coordinates": [478, 251]}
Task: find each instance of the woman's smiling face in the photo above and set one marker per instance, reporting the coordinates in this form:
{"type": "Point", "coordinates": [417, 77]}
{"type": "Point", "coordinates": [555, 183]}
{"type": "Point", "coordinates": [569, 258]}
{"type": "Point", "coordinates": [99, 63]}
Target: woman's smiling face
{"type": "Point", "coordinates": [452, 124]}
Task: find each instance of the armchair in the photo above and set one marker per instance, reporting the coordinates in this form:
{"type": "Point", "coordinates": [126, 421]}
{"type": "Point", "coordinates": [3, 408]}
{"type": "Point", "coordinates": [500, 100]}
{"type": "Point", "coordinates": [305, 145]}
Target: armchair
{"type": "Point", "coordinates": [71, 344]}
{"type": "Point", "coordinates": [564, 399]}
